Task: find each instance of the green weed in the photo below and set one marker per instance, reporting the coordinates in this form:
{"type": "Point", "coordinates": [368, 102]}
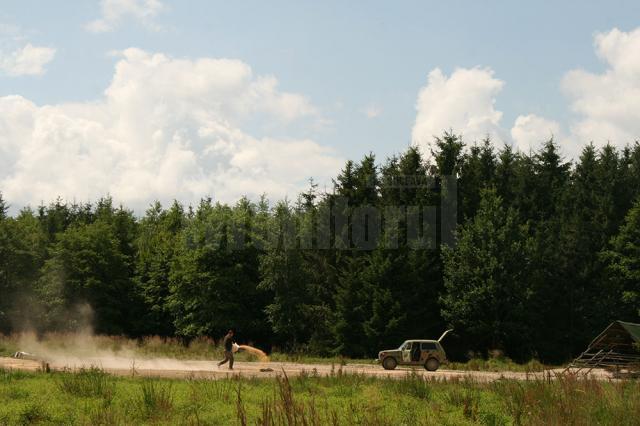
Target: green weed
{"type": "Point", "coordinates": [91, 382]}
{"type": "Point", "coordinates": [155, 399]}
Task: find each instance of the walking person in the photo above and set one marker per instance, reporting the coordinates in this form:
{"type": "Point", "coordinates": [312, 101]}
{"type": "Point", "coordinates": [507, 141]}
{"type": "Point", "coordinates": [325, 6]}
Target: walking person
{"type": "Point", "coordinates": [227, 343]}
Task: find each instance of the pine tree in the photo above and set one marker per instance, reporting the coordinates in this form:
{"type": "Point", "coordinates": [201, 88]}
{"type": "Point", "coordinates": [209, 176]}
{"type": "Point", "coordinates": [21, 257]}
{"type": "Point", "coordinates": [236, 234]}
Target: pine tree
{"type": "Point", "coordinates": [22, 253]}
{"type": "Point", "coordinates": [367, 184]}
{"type": "Point", "coordinates": [582, 237]}
{"type": "Point", "coordinates": [506, 175]}
{"type": "Point", "coordinates": [4, 208]}
{"type": "Point", "coordinates": [5, 259]}
{"type": "Point", "coordinates": [155, 251]}
{"type": "Point", "coordinates": [478, 170]}
{"type": "Point", "coordinates": [485, 277]}
{"type": "Point", "coordinates": [551, 179]}
{"type": "Point", "coordinates": [352, 309]}
{"type": "Point", "coordinates": [215, 275]}
{"type": "Point", "coordinates": [448, 154]}
{"type": "Point", "coordinates": [283, 273]}
{"type": "Point", "coordinates": [87, 266]}
{"type": "Point", "coordinates": [623, 264]}
{"type": "Point", "coordinates": [345, 183]}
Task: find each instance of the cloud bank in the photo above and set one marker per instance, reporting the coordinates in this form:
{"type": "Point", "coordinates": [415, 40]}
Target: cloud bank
{"type": "Point", "coordinates": [606, 106]}
{"type": "Point", "coordinates": [166, 128]}
{"type": "Point", "coordinates": [465, 102]}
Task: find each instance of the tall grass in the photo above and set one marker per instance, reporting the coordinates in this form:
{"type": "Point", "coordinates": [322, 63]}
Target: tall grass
{"type": "Point", "coordinates": [497, 365]}
{"type": "Point", "coordinates": [413, 384]}
{"type": "Point", "coordinates": [340, 399]}
{"type": "Point", "coordinates": [284, 408]}
{"type": "Point", "coordinates": [155, 399]}
{"type": "Point", "coordinates": [563, 400]}
{"type": "Point", "coordinates": [33, 413]}
{"type": "Point", "coordinates": [7, 376]}
{"type": "Point", "coordinates": [571, 400]}
{"type": "Point", "coordinates": [91, 382]}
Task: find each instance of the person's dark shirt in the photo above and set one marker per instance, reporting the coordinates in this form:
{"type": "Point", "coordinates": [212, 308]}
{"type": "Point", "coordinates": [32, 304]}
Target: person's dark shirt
{"type": "Point", "coordinates": [227, 343]}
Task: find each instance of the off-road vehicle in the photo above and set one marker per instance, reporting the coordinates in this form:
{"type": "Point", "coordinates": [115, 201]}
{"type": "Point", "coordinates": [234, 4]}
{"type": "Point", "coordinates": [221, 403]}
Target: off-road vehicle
{"type": "Point", "coordinates": [428, 353]}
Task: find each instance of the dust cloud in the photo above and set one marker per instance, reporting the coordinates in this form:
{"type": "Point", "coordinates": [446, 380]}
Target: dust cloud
{"type": "Point", "coordinates": [84, 350]}
{"type": "Point", "coordinates": [81, 348]}
{"type": "Point", "coordinates": [262, 357]}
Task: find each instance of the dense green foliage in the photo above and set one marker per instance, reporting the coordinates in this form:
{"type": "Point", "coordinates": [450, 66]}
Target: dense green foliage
{"type": "Point", "coordinates": [546, 254]}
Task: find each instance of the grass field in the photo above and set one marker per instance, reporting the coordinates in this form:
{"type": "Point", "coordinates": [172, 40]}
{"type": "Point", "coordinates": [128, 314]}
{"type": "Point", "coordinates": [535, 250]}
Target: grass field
{"type": "Point", "coordinates": [92, 397]}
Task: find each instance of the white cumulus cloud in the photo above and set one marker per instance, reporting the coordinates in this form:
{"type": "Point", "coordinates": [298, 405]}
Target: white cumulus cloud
{"type": "Point", "coordinates": [530, 131]}
{"type": "Point", "coordinates": [166, 128]}
{"type": "Point", "coordinates": [27, 60]}
{"type": "Point", "coordinates": [463, 102]}
{"type": "Point", "coordinates": [608, 104]}
{"type": "Point", "coordinates": [114, 11]}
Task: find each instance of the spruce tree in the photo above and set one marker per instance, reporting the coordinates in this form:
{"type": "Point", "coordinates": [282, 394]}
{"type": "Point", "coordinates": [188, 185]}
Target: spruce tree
{"type": "Point", "coordinates": [623, 264]}
{"type": "Point", "coordinates": [486, 296]}
{"type": "Point", "coordinates": [4, 208]}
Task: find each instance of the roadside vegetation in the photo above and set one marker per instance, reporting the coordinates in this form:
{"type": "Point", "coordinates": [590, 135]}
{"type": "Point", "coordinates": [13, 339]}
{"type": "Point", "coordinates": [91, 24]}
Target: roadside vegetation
{"type": "Point", "coordinates": [92, 397]}
{"type": "Point", "coordinates": [206, 349]}
{"type": "Point", "coordinates": [498, 364]}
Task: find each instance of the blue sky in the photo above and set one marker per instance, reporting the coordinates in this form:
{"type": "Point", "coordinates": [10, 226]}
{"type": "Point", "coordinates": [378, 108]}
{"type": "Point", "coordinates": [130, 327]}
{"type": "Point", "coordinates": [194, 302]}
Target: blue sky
{"type": "Point", "coordinates": [344, 58]}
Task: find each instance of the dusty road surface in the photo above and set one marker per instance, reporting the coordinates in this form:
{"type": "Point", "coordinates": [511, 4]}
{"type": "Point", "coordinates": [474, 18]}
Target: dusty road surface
{"type": "Point", "coordinates": [20, 364]}
{"type": "Point", "coordinates": [172, 368]}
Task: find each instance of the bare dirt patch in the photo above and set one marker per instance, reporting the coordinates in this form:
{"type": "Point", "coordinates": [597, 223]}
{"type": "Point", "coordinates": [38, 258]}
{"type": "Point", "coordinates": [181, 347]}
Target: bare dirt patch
{"type": "Point", "coordinates": [171, 368]}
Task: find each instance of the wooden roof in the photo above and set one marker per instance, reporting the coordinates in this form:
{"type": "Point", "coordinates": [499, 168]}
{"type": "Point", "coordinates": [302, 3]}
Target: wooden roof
{"type": "Point", "coordinates": [620, 336]}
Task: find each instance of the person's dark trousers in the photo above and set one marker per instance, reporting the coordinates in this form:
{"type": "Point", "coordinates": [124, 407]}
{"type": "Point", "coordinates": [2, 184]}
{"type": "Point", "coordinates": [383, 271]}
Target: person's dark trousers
{"type": "Point", "coordinates": [228, 356]}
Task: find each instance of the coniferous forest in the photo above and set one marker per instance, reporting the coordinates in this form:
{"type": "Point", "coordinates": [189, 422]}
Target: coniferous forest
{"type": "Point", "coordinates": [546, 253]}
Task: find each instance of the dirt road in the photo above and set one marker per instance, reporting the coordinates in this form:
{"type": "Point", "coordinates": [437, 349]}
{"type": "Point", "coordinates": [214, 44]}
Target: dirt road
{"type": "Point", "coordinates": [171, 368]}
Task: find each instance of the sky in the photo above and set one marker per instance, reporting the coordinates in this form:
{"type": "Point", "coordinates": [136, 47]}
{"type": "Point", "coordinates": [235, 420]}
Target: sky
{"type": "Point", "coordinates": [150, 100]}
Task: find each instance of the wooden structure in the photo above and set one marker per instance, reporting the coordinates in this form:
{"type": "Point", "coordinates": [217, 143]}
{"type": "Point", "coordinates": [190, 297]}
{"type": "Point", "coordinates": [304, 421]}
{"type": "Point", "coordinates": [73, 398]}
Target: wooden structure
{"type": "Point", "coordinates": [617, 347]}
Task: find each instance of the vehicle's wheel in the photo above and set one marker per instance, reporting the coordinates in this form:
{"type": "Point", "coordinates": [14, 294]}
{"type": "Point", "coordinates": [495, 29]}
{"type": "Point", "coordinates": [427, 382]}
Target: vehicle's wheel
{"type": "Point", "coordinates": [432, 364]}
{"type": "Point", "coordinates": [389, 363]}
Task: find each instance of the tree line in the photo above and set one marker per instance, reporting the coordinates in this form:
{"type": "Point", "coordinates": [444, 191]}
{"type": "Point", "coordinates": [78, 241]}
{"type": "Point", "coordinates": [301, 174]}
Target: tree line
{"type": "Point", "coordinates": [544, 253]}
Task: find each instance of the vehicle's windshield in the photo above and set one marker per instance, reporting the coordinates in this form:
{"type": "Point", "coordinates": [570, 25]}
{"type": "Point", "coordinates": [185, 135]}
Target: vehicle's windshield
{"type": "Point", "coordinates": [405, 346]}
